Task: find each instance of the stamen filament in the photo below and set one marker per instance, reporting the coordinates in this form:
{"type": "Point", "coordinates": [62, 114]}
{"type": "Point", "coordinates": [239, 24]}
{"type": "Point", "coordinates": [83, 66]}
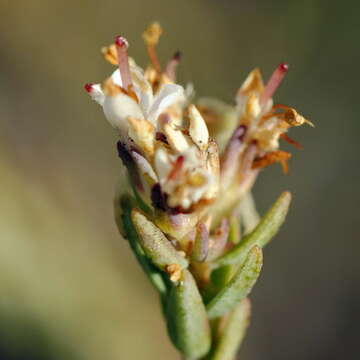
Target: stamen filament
{"type": "Point", "coordinates": [123, 61]}
{"type": "Point", "coordinates": [273, 83]}
{"type": "Point", "coordinates": [177, 166]}
{"type": "Point", "coordinates": [151, 37]}
{"type": "Point", "coordinates": [291, 141]}
{"type": "Point", "coordinates": [170, 69]}
{"type": "Point", "coordinates": [154, 58]}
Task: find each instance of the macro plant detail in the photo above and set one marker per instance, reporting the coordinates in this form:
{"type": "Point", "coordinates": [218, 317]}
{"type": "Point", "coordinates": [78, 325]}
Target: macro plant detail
{"type": "Point", "coordinates": [187, 209]}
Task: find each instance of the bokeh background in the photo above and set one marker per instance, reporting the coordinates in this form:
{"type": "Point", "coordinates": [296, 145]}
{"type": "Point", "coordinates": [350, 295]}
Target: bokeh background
{"type": "Point", "coordinates": [69, 287]}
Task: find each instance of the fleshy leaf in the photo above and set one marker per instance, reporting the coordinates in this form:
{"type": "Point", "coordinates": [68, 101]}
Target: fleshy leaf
{"type": "Point", "coordinates": [239, 286]}
{"type": "Point", "coordinates": [221, 276]}
{"type": "Point", "coordinates": [122, 209]}
{"type": "Point", "coordinates": [261, 235]}
{"type": "Point", "coordinates": [232, 333]}
{"type": "Point", "coordinates": [248, 213]}
{"type": "Point", "coordinates": [187, 320]}
{"type": "Point", "coordinates": [155, 244]}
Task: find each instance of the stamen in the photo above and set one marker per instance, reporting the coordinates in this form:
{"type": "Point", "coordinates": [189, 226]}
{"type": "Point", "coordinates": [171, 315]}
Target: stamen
{"type": "Point", "coordinates": [154, 58]}
{"type": "Point", "coordinates": [270, 158]}
{"type": "Point", "coordinates": [291, 141]}
{"type": "Point", "coordinates": [151, 37]}
{"type": "Point", "coordinates": [170, 69]}
{"type": "Point", "coordinates": [123, 60]}
{"type": "Point", "coordinates": [233, 148]}
{"type": "Point", "coordinates": [177, 165]}
{"type": "Point", "coordinates": [247, 160]}
{"type": "Point", "coordinates": [273, 83]}
{"type": "Point", "coordinates": [88, 87]}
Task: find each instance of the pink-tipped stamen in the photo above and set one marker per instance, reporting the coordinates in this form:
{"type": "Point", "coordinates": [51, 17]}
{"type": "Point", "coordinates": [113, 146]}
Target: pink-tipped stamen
{"type": "Point", "coordinates": [123, 60]}
{"type": "Point", "coordinates": [170, 69]}
{"type": "Point", "coordinates": [177, 166]}
{"type": "Point", "coordinates": [273, 83]}
{"type": "Point", "coordinates": [88, 87]}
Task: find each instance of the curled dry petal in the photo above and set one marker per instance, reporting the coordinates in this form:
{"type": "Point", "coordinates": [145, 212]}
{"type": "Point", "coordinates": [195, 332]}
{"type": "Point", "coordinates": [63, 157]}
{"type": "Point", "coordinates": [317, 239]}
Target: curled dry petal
{"type": "Point", "coordinates": [175, 138]}
{"type": "Point", "coordinates": [143, 134]}
{"type": "Point", "coordinates": [198, 129]}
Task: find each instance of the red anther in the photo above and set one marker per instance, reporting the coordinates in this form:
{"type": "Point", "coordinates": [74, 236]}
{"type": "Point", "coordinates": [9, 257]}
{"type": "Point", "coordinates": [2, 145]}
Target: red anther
{"type": "Point", "coordinates": [88, 87]}
{"type": "Point", "coordinates": [170, 69]}
{"type": "Point", "coordinates": [177, 56]}
{"type": "Point", "coordinates": [121, 41]}
{"type": "Point", "coordinates": [284, 67]}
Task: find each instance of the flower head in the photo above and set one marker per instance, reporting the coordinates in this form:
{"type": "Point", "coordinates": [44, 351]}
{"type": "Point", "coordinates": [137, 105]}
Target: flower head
{"type": "Point", "coordinates": [173, 161]}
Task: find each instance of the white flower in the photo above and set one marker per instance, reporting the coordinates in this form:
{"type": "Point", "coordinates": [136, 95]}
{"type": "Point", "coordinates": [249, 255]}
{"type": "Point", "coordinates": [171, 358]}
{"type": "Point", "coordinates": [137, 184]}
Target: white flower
{"type": "Point", "coordinates": [120, 106]}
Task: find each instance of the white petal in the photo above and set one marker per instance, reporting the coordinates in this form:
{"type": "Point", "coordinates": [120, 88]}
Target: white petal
{"type": "Point", "coordinates": [116, 78]}
{"type": "Point", "coordinates": [117, 108]}
{"type": "Point", "coordinates": [168, 95]}
{"type": "Point", "coordinates": [176, 138]}
{"type": "Point", "coordinates": [192, 158]}
{"type": "Point", "coordinates": [97, 94]}
{"type": "Point", "coordinates": [162, 163]}
{"type": "Point", "coordinates": [143, 134]}
{"type": "Point", "coordinates": [142, 89]}
{"type": "Point", "coordinates": [144, 166]}
{"type": "Point", "coordinates": [198, 129]}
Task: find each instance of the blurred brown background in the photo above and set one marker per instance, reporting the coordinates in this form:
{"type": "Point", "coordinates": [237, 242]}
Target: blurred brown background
{"type": "Point", "coordinates": [69, 287]}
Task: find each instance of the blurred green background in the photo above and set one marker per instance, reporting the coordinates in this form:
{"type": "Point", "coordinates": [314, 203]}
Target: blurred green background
{"type": "Point", "coordinates": [69, 287]}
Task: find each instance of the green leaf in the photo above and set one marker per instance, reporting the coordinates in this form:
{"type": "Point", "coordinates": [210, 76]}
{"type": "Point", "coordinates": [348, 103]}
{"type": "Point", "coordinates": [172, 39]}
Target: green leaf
{"type": "Point", "coordinates": [232, 333]}
{"type": "Point", "coordinates": [261, 235]}
{"type": "Point", "coordinates": [187, 321]}
{"type": "Point", "coordinates": [248, 213]}
{"type": "Point", "coordinates": [238, 287]}
{"type": "Point", "coordinates": [155, 244]}
{"type": "Point", "coordinates": [221, 276]}
{"type": "Point", "coordinates": [123, 209]}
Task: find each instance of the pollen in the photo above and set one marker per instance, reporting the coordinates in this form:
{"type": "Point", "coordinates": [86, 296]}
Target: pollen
{"type": "Point", "coordinates": [174, 272]}
{"type": "Point", "coordinates": [110, 88]}
{"type": "Point", "coordinates": [152, 34]}
{"type": "Point", "coordinates": [110, 54]}
{"type": "Point", "coordinates": [270, 158]}
{"type": "Point", "coordinates": [253, 83]}
{"type": "Point", "coordinates": [196, 180]}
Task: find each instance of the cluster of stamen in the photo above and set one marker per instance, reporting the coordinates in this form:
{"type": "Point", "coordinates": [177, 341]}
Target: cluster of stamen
{"type": "Point", "coordinates": [252, 146]}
